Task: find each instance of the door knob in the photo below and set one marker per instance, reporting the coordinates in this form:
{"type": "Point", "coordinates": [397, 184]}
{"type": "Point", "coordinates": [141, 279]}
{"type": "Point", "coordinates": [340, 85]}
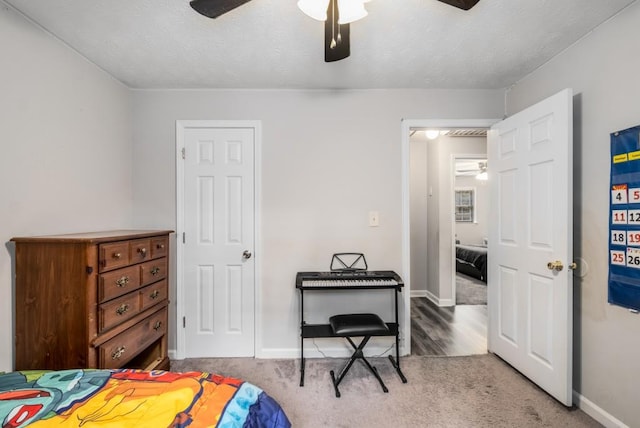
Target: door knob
{"type": "Point", "coordinates": [557, 266]}
{"type": "Point", "coordinates": [246, 254]}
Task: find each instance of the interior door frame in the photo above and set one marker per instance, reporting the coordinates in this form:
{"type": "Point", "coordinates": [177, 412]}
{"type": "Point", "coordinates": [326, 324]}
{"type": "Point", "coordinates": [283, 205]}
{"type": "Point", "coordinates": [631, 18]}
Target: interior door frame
{"type": "Point", "coordinates": [181, 126]}
{"type": "Point", "coordinates": [406, 125]}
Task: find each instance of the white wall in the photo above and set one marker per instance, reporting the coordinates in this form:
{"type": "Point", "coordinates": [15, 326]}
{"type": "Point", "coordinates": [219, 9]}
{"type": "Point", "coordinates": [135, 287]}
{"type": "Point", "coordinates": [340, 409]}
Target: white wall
{"type": "Point", "coordinates": [603, 70]}
{"type": "Point", "coordinates": [439, 211]}
{"type": "Point", "coordinates": [473, 233]}
{"type": "Point", "coordinates": [66, 148]}
{"type": "Point", "coordinates": [328, 158]}
{"type": "Point", "coordinates": [433, 220]}
{"type": "Point", "coordinates": [419, 195]}
{"type": "Point", "coordinates": [430, 182]}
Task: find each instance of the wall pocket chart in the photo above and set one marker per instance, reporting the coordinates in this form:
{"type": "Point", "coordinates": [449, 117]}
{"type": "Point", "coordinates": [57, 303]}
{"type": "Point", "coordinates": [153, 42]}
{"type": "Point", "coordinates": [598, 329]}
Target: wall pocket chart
{"type": "Point", "coordinates": [624, 219]}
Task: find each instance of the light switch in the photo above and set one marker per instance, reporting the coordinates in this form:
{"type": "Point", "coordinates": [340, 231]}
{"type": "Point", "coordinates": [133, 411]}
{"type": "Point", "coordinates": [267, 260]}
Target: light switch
{"type": "Point", "coordinates": [374, 220]}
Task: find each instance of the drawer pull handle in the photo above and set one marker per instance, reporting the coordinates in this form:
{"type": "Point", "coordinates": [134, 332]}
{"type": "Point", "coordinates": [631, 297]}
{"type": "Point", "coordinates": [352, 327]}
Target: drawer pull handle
{"type": "Point", "coordinates": [160, 246]}
{"type": "Point", "coordinates": [143, 252]}
{"type": "Point", "coordinates": [122, 282]}
{"type": "Point", "coordinates": [116, 256]}
{"type": "Point", "coordinates": [155, 270]}
{"type": "Point", "coordinates": [157, 325]}
{"type": "Point", "coordinates": [117, 353]}
{"type": "Point", "coordinates": [122, 309]}
{"type": "Point", "coordinates": [155, 294]}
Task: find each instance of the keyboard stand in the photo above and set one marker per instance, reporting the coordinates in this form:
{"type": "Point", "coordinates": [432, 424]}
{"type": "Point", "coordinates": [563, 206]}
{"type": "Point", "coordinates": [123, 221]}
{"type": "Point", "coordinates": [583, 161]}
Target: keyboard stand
{"type": "Point", "coordinates": [308, 331]}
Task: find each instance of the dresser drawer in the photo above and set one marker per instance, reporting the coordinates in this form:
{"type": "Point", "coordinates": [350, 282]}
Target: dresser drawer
{"type": "Point", "coordinates": [159, 247]}
{"type": "Point", "coordinates": [114, 255]}
{"type": "Point", "coordinates": [140, 250]}
{"type": "Point", "coordinates": [118, 282]}
{"type": "Point", "coordinates": [116, 352]}
{"type": "Point", "coordinates": [116, 311]}
{"type": "Point", "coordinates": [153, 294]}
{"type": "Point", "coordinates": [153, 271]}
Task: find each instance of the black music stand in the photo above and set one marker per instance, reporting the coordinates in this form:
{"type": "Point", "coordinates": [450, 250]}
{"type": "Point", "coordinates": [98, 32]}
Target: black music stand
{"type": "Point", "coordinates": [348, 262]}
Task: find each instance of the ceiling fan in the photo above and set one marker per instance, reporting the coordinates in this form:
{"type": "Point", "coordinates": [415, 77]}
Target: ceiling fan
{"type": "Point", "coordinates": [470, 167]}
{"type": "Point", "coordinates": [336, 35]}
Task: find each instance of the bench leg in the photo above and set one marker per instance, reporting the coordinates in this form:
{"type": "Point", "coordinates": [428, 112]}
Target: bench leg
{"type": "Point", "coordinates": [358, 354]}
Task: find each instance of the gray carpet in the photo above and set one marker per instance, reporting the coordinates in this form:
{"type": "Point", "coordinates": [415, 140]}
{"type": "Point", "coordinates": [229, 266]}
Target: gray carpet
{"type": "Point", "coordinates": [451, 392]}
{"type": "Point", "coordinates": [470, 291]}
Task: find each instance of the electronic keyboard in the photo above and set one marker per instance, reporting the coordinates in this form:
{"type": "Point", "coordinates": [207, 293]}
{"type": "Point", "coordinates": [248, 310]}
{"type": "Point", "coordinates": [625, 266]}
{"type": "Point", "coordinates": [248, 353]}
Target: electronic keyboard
{"type": "Point", "coordinates": [348, 280]}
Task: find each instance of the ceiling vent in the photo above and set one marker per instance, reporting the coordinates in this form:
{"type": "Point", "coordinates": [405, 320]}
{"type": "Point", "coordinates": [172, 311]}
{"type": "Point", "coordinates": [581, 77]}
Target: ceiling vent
{"type": "Point", "coordinates": [467, 133]}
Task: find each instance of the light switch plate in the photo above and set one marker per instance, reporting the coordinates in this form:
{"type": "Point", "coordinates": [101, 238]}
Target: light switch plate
{"type": "Point", "coordinates": [374, 219]}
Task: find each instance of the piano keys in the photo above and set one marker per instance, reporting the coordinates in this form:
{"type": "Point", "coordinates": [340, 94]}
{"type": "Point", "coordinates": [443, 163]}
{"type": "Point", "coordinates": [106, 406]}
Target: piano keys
{"type": "Point", "coordinates": [348, 280]}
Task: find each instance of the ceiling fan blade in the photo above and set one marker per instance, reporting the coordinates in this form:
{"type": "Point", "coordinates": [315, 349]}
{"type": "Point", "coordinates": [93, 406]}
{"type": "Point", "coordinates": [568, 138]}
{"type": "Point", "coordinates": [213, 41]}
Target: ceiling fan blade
{"type": "Point", "coordinates": [215, 8]}
{"type": "Point", "coordinates": [462, 4]}
{"type": "Point", "coordinates": [336, 36]}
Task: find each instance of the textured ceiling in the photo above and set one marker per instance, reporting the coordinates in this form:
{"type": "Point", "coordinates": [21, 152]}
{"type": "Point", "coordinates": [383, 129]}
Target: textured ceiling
{"type": "Point", "coordinates": [271, 44]}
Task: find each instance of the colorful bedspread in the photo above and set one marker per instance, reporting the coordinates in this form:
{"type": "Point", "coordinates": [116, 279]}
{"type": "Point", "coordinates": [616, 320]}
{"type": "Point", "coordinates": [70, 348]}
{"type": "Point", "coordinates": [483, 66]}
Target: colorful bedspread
{"type": "Point", "coordinates": [133, 398]}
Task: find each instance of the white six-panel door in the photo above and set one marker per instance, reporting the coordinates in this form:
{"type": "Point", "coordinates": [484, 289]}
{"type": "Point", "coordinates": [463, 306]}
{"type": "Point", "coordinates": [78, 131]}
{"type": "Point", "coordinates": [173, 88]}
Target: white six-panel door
{"type": "Point", "coordinates": [530, 300]}
{"type": "Point", "coordinates": [218, 269]}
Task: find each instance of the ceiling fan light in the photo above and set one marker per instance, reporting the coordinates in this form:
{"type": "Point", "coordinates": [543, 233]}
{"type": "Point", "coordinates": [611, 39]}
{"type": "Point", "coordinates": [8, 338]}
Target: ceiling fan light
{"type": "Point", "coordinates": [316, 9]}
{"type": "Point", "coordinates": [351, 10]}
{"type": "Point", "coordinates": [483, 172]}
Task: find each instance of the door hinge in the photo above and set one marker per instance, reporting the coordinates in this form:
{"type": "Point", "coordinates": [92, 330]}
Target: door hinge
{"type": "Point", "coordinates": [184, 322]}
{"type": "Point", "coordinates": [183, 238]}
{"type": "Point", "coordinates": [183, 152]}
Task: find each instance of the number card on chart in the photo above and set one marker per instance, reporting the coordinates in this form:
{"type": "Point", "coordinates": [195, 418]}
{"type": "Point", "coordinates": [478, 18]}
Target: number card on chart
{"type": "Point", "coordinates": [624, 219]}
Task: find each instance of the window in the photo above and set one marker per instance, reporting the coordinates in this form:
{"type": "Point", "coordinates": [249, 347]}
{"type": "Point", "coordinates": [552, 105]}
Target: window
{"type": "Point", "coordinates": [465, 205]}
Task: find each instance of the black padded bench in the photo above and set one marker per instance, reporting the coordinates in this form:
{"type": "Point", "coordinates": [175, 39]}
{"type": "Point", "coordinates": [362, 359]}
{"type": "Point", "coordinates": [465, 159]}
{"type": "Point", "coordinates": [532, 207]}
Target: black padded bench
{"type": "Point", "coordinates": [356, 325]}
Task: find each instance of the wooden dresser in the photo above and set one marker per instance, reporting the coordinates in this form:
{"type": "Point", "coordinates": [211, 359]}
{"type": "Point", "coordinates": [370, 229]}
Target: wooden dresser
{"type": "Point", "coordinates": [92, 300]}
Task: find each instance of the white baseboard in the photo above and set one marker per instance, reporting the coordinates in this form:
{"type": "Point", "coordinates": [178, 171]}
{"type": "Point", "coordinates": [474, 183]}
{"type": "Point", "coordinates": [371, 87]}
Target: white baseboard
{"type": "Point", "coordinates": [324, 352]}
{"type": "Point", "coordinates": [320, 351]}
{"type": "Point", "coordinates": [429, 295]}
{"type": "Point", "coordinates": [597, 413]}
{"type": "Point", "coordinates": [438, 301]}
{"type": "Point", "coordinates": [418, 293]}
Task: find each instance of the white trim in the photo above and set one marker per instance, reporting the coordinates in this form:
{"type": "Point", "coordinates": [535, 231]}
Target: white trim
{"type": "Point", "coordinates": [597, 413]}
{"type": "Point", "coordinates": [311, 351]}
{"type": "Point", "coordinates": [405, 169]}
{"type": "Point", "coordinates": [439, 302]}
{"type": "Point", "coordinates": [180, 341]}
{"type": "Point", "coordinates": [419, 293]}
{"type": "Point", "coordinates": [181, 125]}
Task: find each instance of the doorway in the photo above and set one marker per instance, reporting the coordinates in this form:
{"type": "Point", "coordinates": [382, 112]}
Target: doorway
{"type": "Point", "coordinates": [529, 297]}
{"type": "Point", "coordinates": [471, 227]}
{"type": "Point", "coordinates": [438, 326]}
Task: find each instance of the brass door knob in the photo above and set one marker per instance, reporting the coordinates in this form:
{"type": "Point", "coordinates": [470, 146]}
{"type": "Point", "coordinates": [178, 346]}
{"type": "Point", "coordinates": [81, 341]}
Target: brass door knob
{"type": "Point", "coordinates": [557, 266]}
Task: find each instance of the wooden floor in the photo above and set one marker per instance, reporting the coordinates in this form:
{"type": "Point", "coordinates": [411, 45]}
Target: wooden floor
{"type": "Point", "coordinates": [450, 331]}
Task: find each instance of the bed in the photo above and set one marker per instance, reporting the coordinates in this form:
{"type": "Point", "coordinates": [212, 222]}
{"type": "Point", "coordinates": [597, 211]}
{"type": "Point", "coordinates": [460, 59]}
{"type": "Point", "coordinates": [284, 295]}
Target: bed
{"type": "Point", "coordinates": [472, 260]}
{"type": "Point", "coordinates": [133, 398]}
